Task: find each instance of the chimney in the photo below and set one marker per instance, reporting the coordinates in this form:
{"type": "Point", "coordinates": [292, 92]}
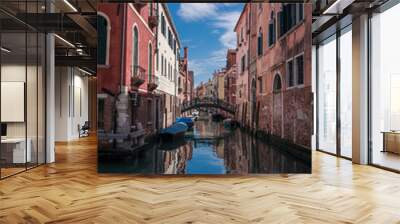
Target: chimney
{"type": "Point", "coordinates": [185, 54]}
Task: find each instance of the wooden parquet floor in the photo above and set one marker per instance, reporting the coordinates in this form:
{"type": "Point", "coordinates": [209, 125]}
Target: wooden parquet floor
{"type": "Point", "coordinates": [71, 191]}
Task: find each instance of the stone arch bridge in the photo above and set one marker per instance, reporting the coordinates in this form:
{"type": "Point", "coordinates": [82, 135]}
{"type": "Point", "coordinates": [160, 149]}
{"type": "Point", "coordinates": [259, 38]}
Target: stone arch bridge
{"type": "Point", "coordinates": [198, 103]}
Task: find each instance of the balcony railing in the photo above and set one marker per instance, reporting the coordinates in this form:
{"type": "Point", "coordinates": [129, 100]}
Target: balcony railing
{"type": "Point", "coordinates": [152, 83]}
{"type": "Point", "coordinates": [138, 75]}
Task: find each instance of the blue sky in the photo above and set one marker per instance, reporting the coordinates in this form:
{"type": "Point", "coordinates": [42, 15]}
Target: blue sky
{"type": "Point", "coordinates": [207, 29]}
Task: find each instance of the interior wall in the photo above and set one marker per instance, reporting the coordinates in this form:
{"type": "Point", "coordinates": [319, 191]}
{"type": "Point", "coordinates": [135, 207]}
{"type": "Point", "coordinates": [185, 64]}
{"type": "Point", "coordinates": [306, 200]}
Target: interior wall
{"type": "Point", "coordinates": [13, 73]}
{"type": "Point", "coordinates": [71, 102]}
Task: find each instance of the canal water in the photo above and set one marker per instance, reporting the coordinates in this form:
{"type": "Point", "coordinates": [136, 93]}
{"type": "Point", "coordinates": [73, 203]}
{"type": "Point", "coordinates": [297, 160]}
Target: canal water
{"type": "Point", "coordinates": [209, 149]}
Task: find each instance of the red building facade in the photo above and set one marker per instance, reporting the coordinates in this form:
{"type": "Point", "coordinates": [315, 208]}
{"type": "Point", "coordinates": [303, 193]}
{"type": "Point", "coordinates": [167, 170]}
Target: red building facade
{"type": "Point", "coordinates": [230, 77]}
{"type": "Point", "coordinates": [242, 30]}
{"type": "Point", "coordinates": [279, 96]}
{"type": "Point", "coordinates": [126, 79]}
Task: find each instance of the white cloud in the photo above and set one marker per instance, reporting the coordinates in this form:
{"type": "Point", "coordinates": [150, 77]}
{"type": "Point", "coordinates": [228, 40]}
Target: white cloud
{"type": "Point", "coordinates": [222, 20]}
{"type": "Point", "coordinates": [196, 11]}
{"type": "Point", "coordinates": [227, 21]}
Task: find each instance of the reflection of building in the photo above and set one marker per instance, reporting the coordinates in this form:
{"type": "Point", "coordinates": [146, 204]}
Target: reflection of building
{"type": "Point", "coordinates": [175, 161]}
{"type": "Point", "coordinates": [237, 156]}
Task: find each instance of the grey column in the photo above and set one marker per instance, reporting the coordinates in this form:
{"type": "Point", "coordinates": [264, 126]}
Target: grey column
{"type": "Point", "coordinates": [360, 90]}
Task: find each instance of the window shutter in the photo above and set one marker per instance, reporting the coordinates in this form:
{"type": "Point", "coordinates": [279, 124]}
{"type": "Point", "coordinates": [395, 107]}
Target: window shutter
{"type": "Point", "coordinates": [281, 23]}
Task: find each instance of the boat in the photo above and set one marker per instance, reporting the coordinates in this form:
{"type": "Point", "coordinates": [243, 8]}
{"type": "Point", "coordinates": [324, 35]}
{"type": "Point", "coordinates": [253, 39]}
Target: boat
{"type": "Point", "coordinates": [173, 132]}
{"type": "Point", "coordinates": [187, 120]}
{"type": "Point", "coordinates": [230, 123]}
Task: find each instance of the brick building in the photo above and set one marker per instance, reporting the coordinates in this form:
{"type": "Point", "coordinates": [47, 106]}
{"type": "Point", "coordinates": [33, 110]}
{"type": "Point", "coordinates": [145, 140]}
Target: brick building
{"type": "Point", "coordinates": [242, 30]}
{"type": "Point", "coordinates": [230, 77]}
{"type": "Point", "coordinates": [279, 45]}
{"type": "Point", "coordinates": [126, 80]}
{"type": "Point", "coordinates": [201, 90]}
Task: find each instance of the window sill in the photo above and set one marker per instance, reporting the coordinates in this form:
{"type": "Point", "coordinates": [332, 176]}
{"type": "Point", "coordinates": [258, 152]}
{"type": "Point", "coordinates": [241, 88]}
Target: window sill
{"type": "Point", "coordinates": [291, 30]}
{"type": "Point", "coordinates": [295, 87]}
{"type": "Point", "coordinates": [103, 66]}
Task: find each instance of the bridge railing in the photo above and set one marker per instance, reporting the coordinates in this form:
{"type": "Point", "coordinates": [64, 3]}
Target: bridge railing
{"type": "Point", "coordinates": [208, 102]}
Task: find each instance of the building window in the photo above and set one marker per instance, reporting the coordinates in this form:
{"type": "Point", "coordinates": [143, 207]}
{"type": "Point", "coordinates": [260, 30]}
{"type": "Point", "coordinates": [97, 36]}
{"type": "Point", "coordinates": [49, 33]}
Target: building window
{"type": "Point", "coordinates": [290, 73]}
{"type": "Point", "coordinates": [162, 64]}
{"type": "Point", "coordinates": [300, 69]}
{"type": "Point", "coordinates": [165, 67]}
{"type": "Point", "coordinates": [163, 27]}
{"type": "Point", "coordinates": [169, 38]}
{"type": "Point", "coordinates": [150, 9]}
{"type": "Point", "coordinates": [135, 46]}
{"type": "Point", "coordinates": [290, 16]}
{"type": "Point", "coordinates": [271, 30]}
{"type": "Point", "coordinates": [241, 35]}
{"type": "Point", "coordinates": [259, 43]}
{"type": "Point", "coordinates": [150, 70]}
{"type": "Point", "coordinates": [157, 61]}
{"type": "Point", "coordinates": [260, 84]}
{"type": "Point", "coordinates": [300, 11]}
{"type": "Point", "coordinates": [100, 119]}
{"type": "Point", "coordinates": [102, 39]}
{"type": "Point", "coordinates": [174, 46]}
{"type": "Point", "coordinates": [243, 63]}
{"type": "Point", "coordinates": [277, 83]}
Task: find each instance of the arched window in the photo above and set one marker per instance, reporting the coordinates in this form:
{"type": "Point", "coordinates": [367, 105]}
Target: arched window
{"type": "Point", "coordinates": [259, 42]}
{"type": "Point", "coordinates": [272, 30]}
{"type": "Point", "coordinates": [135, 48]}
{"type": "Point", "coordinates": [162, 64]}
{"type": "Point", "coordinates": [163, 25]}
{"type": "Point", "coordinates": [150, 70]}
{"type": "Point", "coordinates": [103, 29]}
{"type": "Point", "coordinates": [277, 83]}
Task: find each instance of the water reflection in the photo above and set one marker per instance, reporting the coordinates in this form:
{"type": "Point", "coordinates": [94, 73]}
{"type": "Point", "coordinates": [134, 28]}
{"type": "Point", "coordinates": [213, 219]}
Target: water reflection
{"type": "Point", "coordinates": [209, 149]}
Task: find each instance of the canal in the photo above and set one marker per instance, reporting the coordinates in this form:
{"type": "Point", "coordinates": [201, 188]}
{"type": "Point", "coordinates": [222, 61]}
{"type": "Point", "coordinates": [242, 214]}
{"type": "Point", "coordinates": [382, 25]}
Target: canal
{"type": "Point", "coordinates": [209, 149]}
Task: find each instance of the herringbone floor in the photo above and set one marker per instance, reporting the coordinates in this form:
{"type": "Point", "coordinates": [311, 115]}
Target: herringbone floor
{"type": "Point", "coordinates": [71, 191]}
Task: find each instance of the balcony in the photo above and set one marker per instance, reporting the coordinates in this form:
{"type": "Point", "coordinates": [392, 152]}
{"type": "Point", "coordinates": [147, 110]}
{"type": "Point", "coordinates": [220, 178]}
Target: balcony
{"type": "Point", "coordinates": [153, 83]}
{"type": "Point", "coordinates": [138, 75]}
{"type": "Point", "coordinates": [153, 21]}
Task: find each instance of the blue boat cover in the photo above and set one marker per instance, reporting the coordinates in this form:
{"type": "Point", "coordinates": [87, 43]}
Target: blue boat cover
{"type": "Point", "coordinates": [186, 120]}
{"type": "Point", "coordinates": [176, 128]}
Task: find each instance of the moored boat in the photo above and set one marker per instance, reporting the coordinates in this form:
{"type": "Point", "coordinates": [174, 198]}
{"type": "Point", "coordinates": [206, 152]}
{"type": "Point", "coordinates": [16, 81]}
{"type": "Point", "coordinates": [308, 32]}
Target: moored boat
{"type": "Point", "coordinates": [173, 132]}
{"type": "Point", "coordinates": [187, 120]}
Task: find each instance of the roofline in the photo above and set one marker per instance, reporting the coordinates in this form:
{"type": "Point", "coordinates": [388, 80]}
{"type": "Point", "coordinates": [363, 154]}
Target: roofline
{"type": "Point", "coordinates": [171, 21]}
{"type": "Point", "coordinates": [240, 17]}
